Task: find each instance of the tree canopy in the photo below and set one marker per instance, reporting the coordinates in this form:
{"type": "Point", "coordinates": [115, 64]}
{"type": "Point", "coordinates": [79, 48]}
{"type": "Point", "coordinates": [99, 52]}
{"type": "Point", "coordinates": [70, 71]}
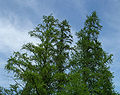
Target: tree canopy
{"type": "Point", "coordinates": [54, 67]}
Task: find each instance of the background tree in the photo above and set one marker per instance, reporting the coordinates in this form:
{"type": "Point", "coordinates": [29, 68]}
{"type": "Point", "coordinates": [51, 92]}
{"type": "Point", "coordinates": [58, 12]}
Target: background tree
{"type": "Point", "coordinates": [92, 61]}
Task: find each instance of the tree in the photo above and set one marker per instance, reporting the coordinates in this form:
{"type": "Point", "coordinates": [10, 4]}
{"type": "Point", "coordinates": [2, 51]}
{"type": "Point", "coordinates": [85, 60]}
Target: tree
{"type": "Point", "coordinates": [41, 68]}
{"type": "Point", "coordinates": [91, 60]}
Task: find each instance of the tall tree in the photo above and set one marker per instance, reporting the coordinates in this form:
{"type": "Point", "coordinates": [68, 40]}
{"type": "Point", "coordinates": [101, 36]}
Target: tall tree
{"type": "Point", "coordinates": [91, 59]}
{"type": "Point", "coordinates": [41, 68]}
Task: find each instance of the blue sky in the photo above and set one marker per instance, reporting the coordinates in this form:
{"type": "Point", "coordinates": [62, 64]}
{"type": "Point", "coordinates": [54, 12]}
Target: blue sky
{"type": "Point", "coordinates": [18, 17]}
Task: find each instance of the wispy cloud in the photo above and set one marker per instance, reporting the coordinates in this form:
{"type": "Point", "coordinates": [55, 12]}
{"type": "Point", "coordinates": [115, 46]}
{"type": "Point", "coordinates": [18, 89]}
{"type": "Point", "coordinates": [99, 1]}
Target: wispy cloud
{"type": "Point", "coordinates": [20, 16]}
{"type": "Point", "coordinates": [27, 3]}
{"type": "Point", "coordinates": [13, 34]}
{"type": "Point", "coordinates": [40, 7]}
{"type": "Point", "coordinates": [111, 38]}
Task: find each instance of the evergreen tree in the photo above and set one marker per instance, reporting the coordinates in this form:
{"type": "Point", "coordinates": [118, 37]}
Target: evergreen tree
{"type": "Point", "coordinates": [41, 68]}
{"type": "Point", "coordinates": [91, 60]}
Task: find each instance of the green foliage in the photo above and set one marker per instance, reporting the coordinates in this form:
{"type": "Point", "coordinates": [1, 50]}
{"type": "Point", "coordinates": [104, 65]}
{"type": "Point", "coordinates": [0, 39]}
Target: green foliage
{"type": "Point", "coordinates": [42, 67]}
{"type": "Point", "coordinates": [91, 60]}
{"type": "Point", "coordinates": [75, 85]}
{"type": "Point", "coordinates": [46, 68]}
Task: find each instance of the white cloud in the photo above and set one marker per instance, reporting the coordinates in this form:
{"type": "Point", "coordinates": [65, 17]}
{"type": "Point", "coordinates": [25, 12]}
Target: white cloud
{"type": "Point", "coordinates": [14, 31]}
{"type": "Point", "coordinates": [12, 34]}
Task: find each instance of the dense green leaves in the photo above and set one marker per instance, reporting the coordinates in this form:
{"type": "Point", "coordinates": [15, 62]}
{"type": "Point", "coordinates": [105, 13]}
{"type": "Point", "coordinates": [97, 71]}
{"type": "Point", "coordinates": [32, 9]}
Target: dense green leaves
{"type": "Point", "coordinates": [42, 67]}
{"type": "Point", "coordinates": [92, 60]}
{"type": "Point", "coordinates": [47, 68]}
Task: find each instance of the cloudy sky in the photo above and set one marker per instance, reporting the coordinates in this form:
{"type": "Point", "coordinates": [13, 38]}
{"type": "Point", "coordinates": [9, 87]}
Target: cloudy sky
{"type": "Point", "coordinates": [18, 17]}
